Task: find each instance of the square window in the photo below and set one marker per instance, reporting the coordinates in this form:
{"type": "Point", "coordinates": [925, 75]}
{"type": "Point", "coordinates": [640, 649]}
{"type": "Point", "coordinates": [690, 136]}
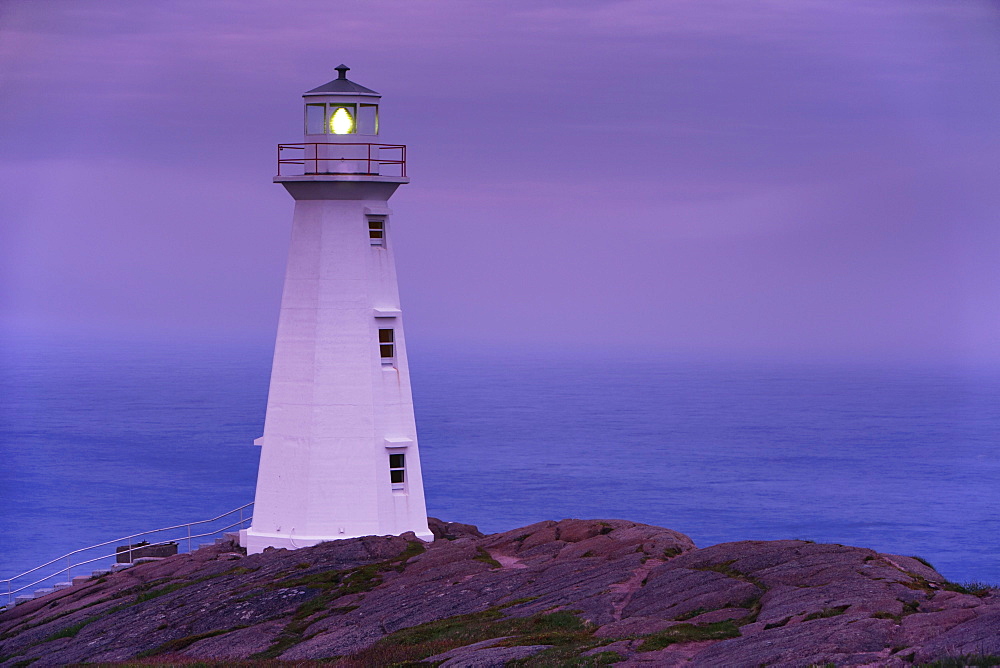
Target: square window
{"type": "Point", "coordinates": [397, 469]}
{"type": "Point", "coordinates": [385, 335]}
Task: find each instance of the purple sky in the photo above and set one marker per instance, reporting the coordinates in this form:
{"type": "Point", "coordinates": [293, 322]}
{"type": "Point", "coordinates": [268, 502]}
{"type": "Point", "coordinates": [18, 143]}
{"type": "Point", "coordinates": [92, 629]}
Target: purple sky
{"type": "Point", "coordinates": [803, 178]}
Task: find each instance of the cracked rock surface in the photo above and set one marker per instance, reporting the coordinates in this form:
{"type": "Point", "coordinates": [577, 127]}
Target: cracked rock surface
{"type": "Point", "coordinates": [619, 592]}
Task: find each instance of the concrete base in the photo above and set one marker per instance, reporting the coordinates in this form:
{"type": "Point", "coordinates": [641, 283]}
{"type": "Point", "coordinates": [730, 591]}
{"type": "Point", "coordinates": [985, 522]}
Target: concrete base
{"type": "Point", "coordinates": [147, 560]}
{"type": "Point", "coordinates": [256, 543]}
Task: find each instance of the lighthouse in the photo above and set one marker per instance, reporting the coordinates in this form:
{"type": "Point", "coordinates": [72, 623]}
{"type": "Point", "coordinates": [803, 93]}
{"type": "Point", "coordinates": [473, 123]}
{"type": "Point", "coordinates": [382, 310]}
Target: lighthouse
{"type": "Point", "coordinates": [339, 454]}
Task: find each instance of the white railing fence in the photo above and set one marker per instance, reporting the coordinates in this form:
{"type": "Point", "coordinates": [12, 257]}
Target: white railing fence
{"type": "Point", "coordinates": [59, 571]}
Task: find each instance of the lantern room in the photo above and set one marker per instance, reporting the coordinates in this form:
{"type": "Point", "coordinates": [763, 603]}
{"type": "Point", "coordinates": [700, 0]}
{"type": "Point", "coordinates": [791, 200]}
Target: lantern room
{"type": "Point", "coordinates": [341, 133]}
{"type": "Point", "coordinates": [341, 110]}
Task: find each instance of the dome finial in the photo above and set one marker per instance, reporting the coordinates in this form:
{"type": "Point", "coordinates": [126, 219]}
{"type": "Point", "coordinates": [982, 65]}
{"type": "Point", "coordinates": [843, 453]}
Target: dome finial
{"type": "Point", "coordinates": [342, 71]}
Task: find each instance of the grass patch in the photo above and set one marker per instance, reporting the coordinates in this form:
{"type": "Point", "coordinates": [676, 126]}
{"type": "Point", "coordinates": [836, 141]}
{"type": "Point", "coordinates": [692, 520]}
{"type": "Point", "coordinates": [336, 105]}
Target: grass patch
{"type": "Point", "coordinates": [148, 591]}
{"type": "Point", "coordinates": [887, 615]}
{"type": "Point", "coordinates": [70, 631]}
{"type": "Point", "coordinates": [725, 567]}
{"type": "Point", "coordinates": [178, 644]}
{"type": "Point", "coordinates": [683, 617]}
{"type": "Point", "coordinates": [155, 593]}
{"type": "Point", "coordinates": [564, 630]}
{"type": "Point", "coordinates": [332, 585]}
{"type": "Point", "coordinates": [924, 562]}
{"type": "Point", "coordinates": [689, 633]}
{"type": "Point", "coordinates": [826, 612]}
{"type": "Point", "coordinates": [779, 624]}
{"type": "Point", "coordinates": [671, 552]}
{"type": "Point", "coordinates": [484, 556]}
{"type": "Point", "coordinates": [980, 589]}
{"type": "Point", "coordinates": [307, 614]}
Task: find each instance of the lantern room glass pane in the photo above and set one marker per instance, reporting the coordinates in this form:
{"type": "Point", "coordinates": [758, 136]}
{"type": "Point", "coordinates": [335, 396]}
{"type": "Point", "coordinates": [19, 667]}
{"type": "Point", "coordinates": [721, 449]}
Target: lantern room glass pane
{"type": "Point", "coordinates": [342, 119]}
{"type": "Point", "coordinates": [368, 119]}
{"type": "Point", "coordinates": [315, 115]}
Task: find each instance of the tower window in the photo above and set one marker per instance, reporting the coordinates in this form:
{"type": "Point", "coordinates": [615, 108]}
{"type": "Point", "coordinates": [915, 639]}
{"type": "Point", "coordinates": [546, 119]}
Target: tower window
{"type": "Point", "coordinates": [397, 469]}
{"type": "Point", "coordinates": [387, 345]}
{"type": "Point", "coordinates": [376, 231]}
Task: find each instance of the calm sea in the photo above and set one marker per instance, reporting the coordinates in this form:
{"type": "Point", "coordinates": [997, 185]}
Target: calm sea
{"type": "Point", "coordinates": [99, 440]}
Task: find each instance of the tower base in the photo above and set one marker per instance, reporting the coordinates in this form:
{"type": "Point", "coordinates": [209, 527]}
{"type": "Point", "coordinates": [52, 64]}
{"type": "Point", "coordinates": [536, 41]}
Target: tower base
{"type": "Point", "coordinates": [255, 542]}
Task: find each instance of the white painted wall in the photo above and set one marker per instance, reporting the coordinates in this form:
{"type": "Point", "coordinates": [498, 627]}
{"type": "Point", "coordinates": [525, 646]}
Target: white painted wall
{"type": "Point", "coordinates": [333, 407]}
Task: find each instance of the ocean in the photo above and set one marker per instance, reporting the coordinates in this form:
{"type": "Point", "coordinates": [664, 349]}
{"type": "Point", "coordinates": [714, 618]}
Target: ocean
{"type": "Point", "coordinates": [101, 439]}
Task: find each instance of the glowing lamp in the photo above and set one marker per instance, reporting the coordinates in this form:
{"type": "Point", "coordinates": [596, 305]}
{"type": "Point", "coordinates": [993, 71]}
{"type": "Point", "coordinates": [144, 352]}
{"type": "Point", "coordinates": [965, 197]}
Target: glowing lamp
{"type": "Point", "coordinates": [341, 122]}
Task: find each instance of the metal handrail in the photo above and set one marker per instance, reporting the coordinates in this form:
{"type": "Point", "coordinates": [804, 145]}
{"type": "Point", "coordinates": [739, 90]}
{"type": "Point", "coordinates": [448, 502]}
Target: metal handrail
{"type": "Point", "coordinates": [11, 592]}
{"type": "Point", "coordinates": [373, 166]}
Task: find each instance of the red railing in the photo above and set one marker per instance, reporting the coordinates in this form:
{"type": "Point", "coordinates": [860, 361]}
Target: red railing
{"type": "Point", "coordinates": [342, 158]}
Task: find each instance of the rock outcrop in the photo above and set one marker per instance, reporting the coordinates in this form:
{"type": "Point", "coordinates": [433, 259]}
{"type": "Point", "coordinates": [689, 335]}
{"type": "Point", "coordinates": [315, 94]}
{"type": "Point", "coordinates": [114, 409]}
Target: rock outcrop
{"type": "Point", "coordinates": [548, 594]}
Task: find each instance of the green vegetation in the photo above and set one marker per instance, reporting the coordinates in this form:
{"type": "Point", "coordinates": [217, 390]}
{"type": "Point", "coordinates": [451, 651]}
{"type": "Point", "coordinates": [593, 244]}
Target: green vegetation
{"type": "Point", "coordinates": [149, 595]}
{"type": "Point", "coordinates": [332, 585]}
{"type": "Point", "coordinates": [683, 617]}
{"type": "Point", "coordinates": [689, 633]}
{"type": "Point", "coordinates": [72, 630]}
{"type": "Point", "coordinates": [724, 567]}
{"type": "Point", "coordinates": [178, 644]}
{"type": "Point", "coordinates": [484, 556]}
{"type": "Point", "coordinates": [826, 612]}
{"type": "Point", "coordinates": [294, 631]}
{"type": "Point", "coordinates": [979, 589]}
{"type": "Point", "coordinates": [563, 630]}
{"type": "Point", "coordinates": [778, 624]}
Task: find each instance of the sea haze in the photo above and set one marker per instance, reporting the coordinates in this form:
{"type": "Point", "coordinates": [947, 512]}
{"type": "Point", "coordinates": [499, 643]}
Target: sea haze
{"type": "Point", "coordinates": [102, 439]}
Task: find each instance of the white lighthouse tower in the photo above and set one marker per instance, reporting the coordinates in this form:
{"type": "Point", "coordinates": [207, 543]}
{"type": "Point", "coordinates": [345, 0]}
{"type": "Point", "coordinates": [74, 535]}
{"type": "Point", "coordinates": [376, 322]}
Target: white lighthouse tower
{"type": "Point", "coordinates": [339, 451]}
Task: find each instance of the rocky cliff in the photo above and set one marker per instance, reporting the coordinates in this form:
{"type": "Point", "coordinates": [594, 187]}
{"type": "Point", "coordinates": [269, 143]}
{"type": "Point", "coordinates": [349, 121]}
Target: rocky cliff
{"type": "Point", "coordinates": [575, 592]}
